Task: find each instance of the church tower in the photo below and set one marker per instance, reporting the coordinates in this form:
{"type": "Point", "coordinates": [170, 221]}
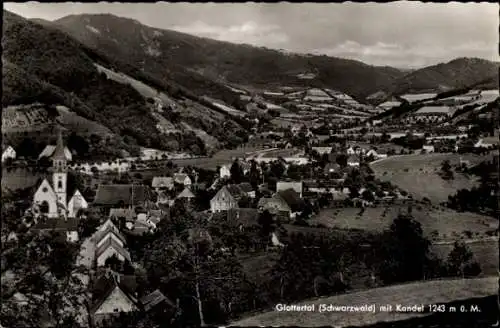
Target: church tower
{"type": "Point", "coordinates": [60, 174]}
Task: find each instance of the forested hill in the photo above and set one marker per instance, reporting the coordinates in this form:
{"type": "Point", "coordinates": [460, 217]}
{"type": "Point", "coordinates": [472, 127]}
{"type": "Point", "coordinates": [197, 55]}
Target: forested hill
{"type": "Point", "coordinates": [43, 64]}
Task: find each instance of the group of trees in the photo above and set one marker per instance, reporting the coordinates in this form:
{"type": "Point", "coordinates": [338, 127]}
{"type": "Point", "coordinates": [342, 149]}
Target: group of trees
{"type": "Point", "coordinates": [483, 198]}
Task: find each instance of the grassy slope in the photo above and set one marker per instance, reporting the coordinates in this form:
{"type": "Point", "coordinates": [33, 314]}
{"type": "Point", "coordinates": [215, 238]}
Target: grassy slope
{"type": "Point", "coordinates": [428, 292]}
{"type": "Point", "coordinates": [421, 179]}
{"type": "Point", "coordinates": [448, 223]}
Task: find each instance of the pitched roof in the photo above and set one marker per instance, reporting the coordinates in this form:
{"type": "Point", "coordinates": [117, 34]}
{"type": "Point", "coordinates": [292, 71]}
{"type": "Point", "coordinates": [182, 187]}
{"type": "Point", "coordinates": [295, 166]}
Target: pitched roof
{"type": "Point", "coordinates": [264, 203]}
{"type": "Point", "coordinates": [100, 235]}
{"type": "Point", "coordinates": [59, 151]}
{"type": "Point", "coordinates": [57, 224]}
{"type": "Point", "coordinates": [246, 187]}
{"type": "Point", "coordinates": [353, 159]}
{"type": "Point", "coordinates": [112, 243]}
{"type": "Point", "coordinates": [159, 182]}
{"type": "Point", "coordinates": [186, 193]}
{"type": "Point", "coordinates": [104, 286]}
{"type": "Point", "coordinates": [235, 191]}
{"type": "Point", "coordinates": [48, 151]}
{"type": "Point", "coordinates": [291, 197]}
{"type": "Point", "coordinates": [124, 194]}
{"type": "Point", "coordinates": [153, 299]}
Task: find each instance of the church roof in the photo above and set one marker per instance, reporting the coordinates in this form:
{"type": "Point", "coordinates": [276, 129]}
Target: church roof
{"type": "Point", "coordinates": [59, 151]}
{"type": "Point", "coordinates": [49, 150]}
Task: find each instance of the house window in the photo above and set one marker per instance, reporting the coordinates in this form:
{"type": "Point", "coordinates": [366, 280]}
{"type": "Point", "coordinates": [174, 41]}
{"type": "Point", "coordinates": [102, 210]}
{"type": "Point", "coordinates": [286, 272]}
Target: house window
{"type": "Point", "coordinates": [45, 189]}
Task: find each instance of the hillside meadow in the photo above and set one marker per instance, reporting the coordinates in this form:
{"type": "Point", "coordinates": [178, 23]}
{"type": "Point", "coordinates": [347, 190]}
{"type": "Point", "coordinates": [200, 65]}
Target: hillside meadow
{"type": "Point", "coordinates": [418, 174]}
{"type": "Point", "coordinates": [424, 292]}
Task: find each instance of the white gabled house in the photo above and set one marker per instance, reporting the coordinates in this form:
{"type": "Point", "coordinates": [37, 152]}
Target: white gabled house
{"type": "Point", "coordinates": [7, 153]}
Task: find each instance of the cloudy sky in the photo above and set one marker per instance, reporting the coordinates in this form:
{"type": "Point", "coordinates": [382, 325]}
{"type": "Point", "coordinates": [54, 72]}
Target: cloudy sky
{"type": "Point", "coordinates": [400, 34]}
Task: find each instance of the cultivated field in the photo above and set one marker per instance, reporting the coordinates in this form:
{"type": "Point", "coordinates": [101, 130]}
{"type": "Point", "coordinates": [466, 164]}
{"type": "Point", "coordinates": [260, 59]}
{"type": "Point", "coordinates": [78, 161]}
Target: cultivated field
{"type": "Point", "coordinates": [223, 157]}
{"type": "Point", "coordinates": [427, 292]}
{"type": "Point", "coordinates": [79, 124]}
{"type": "Point", "coordinates": [417, 174]}
{"type": "Point", "coordinates": [280, 153]}
{"type": "Point", "coordinates": [449, 224]}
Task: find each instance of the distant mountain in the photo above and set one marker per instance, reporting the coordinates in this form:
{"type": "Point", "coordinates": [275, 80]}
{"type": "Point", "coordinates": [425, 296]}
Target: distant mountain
{"type": "Point", "coordinates": [456, 74]}
{"type": "Point", "coordinates": [197, 62]}
{"type": "Point", "coordinates": [43, 64]}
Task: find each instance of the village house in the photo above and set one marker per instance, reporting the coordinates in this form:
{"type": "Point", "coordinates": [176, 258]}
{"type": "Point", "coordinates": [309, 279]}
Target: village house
{"type": "Point", "coordinates": [243, 218]}
{"type": "Point", "coordinates": [108, 248]}
{"type": "Point", "coordinates": [353, 160]}
{"type": "Point", "coordinates": [107, 231]}
{"type": "Point", "coordinates": [66, 228]}
{"type": "Point", "coordinates": [182, 179]}
{"type": "Point", "coordinates": [112, 294]}
{"type": "Point", "coordinates": [428, 148]}
{"type": "Point", "coordinates": [186, 194]}
{"type": "Point", "coordinates": [297, 186]}
{"type": "Point", "coordinates": [121, 196]}
{"type": "Point", "coordinates": [275, 205]}
{"type": "Point", "coordinates": [228, 197]}
{"type": "Point", "coordinates": [156, 300]}
{"type": "Point", "coordinates": [225, 172]}
{"type": "Point", "coordinates": [51, 199]}
{"type": "Point", "coordinates": [162, 183]}
{"type": "Point", "coordinates": [8, 153]}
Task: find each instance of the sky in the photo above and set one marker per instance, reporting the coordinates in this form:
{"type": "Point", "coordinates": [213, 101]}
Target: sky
{"type": "Point", "coordinates": [401, 34]}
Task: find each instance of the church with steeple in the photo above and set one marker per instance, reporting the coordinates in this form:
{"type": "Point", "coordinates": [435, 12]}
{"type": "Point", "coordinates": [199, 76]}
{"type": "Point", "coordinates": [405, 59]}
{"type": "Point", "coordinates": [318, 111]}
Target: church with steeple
{"type": "Point", "coordinates": [51, 199]}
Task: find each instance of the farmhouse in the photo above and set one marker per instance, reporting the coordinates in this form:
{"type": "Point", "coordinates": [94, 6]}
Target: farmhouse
{"type": "Point", "coordinates": [182, 179]}
{"type": "Point", "coordinates": [226, 198]}
{"type": "Point", "coordinates": [275, 205]}
{"type": "Point", "coordinates": [186, 194]}
{"type": "Point", "coordinates": [121, 196]}
{"type": "Point", "coordinates": [109, 248]}
{"type": "Point", "coordinates": [8, 152]}
{"type": "Point", "coordinates": [353, 160]}
{"type": "Point", "coordinates": [428, 148]}
{"type": "Point", "coordinates": [162, 183]}
{"type": "Point", "coordinates": [154, 300]}
{"type": "Point", "coordinates": [225, 171]}
{"type": "Point", "coordinates": [112, 295]}
{"type": "Point", "coordinates": [68, 228]}
{"type": "Point", "coordinates": [51, 200]}
{"type": "Point", "coordinates": [243, 217]}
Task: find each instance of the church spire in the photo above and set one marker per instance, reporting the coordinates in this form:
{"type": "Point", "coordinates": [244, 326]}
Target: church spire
{"type": "Point", "coordinates": [59, 153]}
